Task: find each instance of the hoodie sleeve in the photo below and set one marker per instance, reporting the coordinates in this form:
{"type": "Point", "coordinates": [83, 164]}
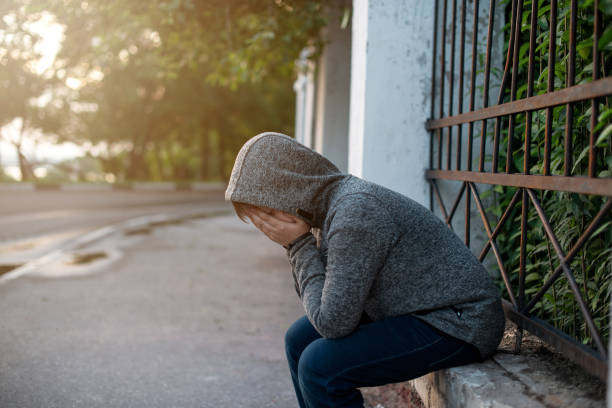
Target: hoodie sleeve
{"type": "Point", "coordinates": [360, 236]}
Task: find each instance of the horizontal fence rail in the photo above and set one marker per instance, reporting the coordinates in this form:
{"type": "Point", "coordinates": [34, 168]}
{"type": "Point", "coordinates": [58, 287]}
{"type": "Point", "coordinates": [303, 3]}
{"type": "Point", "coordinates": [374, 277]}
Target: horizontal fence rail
{"type": "Point", "coordinates": [527, 142]}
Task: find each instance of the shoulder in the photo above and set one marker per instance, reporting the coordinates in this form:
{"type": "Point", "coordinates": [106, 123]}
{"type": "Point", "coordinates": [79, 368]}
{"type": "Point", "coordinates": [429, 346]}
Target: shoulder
{"type": "Point", "coordinates": [360, 210]}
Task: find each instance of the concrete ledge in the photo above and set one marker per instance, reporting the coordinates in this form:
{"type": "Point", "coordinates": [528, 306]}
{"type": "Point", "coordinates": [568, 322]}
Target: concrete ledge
{"type": "Point", "coordinates": [136, 186]}
{"type": "Point", "coordinates": [508, 380]}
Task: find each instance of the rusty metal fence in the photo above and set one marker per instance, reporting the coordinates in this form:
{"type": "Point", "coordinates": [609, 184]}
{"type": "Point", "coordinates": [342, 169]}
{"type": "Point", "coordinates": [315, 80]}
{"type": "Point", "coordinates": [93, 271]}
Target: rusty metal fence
{"type": "Point", "coordinates": [454, 158]}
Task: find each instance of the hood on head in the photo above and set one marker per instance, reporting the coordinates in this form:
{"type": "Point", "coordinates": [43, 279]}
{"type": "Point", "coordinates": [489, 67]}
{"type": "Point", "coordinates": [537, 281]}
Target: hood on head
{"type": "Point", "coordinates": [275, 171]}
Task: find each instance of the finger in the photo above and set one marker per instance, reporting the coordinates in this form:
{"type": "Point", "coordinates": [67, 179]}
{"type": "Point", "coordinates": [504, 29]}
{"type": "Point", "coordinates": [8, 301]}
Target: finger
{"type": "Point", "coordinates": [269, 219]}
{"type": "Point", "coordinates": [261, 224]}
{"type": "Point", "coordinates": [284, 217]}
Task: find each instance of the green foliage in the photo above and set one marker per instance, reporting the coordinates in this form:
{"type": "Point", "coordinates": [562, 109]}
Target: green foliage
{"type": "Point", "coordinates": [568, 213]}
{"type": "Point", "coordinates": [163, 89]}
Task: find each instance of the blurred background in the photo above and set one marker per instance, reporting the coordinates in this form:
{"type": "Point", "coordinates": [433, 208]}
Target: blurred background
{"type": "Point", "coordinates": [119, 91]}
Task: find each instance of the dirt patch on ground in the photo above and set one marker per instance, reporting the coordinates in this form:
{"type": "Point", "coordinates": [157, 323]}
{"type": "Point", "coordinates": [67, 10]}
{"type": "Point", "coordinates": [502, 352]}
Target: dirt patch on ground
{"type": "Point", "coordinates": [547, 356]}
{"type": "Point", "coordinates": [8, 268]}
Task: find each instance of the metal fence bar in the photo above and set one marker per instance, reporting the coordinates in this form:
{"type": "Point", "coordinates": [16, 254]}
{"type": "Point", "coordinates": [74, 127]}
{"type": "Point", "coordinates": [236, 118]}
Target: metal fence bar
{"type": "Point", "coordinates": [498, 120]}
{"type": "Point", "coordinates": [595, 102]}
{"type": "Point", "coordinates": [571, 77]}
{"type": "Point", "coordinates": [500, 224]}
{"type": "Point", "coordinates": [595, 222]}
{"type": "Point", "coordinates": [552, 48]}
{"type": "Point", "coordinates": [581, 185]}
{"type": "Point", "coordinates": [461, 73]}
{"type": "Point", "coordinates": [577, 93]}
{"type": "Point", "coordinates": [508, 107]}
{"type": "Point", "coordinates": [570, 276]}
{"type": "Point", "coordinates": [586, 358]}
{"type": "Point", "coordinates": [449, 219]}
{"type": "Point", "coordinates": [532, 39]}
{"type": "Point", "coordinates": [442, 69]}
{"type": "Point", "coordinates": [451, 86]}
{"type": "Point", "coordinates": [500, 262]}
{"type": "Point", "coordinates": [472, 86]}
{"type": "Point", "coordinates": [433, 92]}
{"type": "Point", "coordinates": [513, 82]}
{"type": "Point", "coordinates": [471, 124]}
{"type": "Point", "coordinates": [487, 77]}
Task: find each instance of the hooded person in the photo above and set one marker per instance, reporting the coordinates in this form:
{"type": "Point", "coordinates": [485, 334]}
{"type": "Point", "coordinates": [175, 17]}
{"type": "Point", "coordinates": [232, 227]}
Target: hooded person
{"type": "Point", "coordinates": [390, 293]}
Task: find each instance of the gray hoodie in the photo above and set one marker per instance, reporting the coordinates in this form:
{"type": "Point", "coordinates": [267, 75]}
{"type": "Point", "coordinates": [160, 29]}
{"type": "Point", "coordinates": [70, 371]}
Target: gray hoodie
{"type": "Point", "coordinates": [375, 251]}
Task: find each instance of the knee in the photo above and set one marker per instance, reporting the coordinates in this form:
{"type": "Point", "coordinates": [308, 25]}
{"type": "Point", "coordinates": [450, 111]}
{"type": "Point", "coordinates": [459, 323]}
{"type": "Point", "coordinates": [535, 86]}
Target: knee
{"type": "Point", "coordinates": [296, 337]}
{"type": "Point", "coordinates": [311, 367]}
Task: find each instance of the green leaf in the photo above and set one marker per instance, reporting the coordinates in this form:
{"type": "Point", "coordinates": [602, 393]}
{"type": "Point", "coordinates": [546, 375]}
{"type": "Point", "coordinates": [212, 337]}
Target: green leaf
{"type": "Point", "coordinates": [605, 39]}
{"type": "Point", "coordinates": [603, 135]}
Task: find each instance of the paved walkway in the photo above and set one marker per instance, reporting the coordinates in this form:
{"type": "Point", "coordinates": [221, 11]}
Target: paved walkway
{"type": "Point", "coordinates": [176, 315]}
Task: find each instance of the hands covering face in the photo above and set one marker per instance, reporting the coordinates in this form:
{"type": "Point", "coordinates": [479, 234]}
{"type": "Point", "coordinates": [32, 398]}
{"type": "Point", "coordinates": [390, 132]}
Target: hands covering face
{"type": "Point", "coordinates": [279, 226]}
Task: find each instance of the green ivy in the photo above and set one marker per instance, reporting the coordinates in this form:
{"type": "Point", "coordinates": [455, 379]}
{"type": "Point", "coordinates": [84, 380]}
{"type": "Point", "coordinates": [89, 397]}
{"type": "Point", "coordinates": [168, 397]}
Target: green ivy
{"type": "Point", "coordinates": [568, 213]}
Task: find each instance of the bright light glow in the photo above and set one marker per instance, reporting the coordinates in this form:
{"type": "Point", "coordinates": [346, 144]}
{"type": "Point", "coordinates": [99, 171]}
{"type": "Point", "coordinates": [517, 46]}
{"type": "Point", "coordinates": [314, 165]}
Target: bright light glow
{"type": "Point", "coordinates": [52, 34]}
{"type": "Point", "coordinates": [13, 172]}
{"type": "Point", "coordinates": [73, 83]}
{"type": "Point", "coordinates": [41, 172]}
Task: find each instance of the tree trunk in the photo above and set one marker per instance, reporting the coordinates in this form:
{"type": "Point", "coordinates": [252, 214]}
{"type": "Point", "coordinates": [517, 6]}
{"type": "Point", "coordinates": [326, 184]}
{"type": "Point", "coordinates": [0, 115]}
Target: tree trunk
{"type": "Point", "coordinates": [204, 154]}
{"type": "Point", "coordinates": [221, 156]}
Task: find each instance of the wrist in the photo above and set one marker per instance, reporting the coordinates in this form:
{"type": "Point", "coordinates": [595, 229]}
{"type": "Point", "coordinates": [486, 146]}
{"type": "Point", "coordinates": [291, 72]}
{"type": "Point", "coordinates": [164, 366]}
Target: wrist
{"type": "Point", "coordinates": [296, 240]}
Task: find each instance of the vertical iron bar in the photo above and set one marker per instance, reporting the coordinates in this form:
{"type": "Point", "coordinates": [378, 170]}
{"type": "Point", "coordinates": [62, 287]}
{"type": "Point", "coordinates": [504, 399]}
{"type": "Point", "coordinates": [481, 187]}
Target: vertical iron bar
{"type": "Point", "coordinates": [433, 61]}
{"type": "Point", "coordinates": [487, 76]}
{"type": "Point", "coordinates": [472, 86]}
{"type": "Point", "coordinates": [471, 124]}
{"type": "Point", "coordinates": [500, 96]}
{"type": "Point", "coordinates": [522, 266]}
{"type": "Point", "coordinates": [442, 69]}
{"type": "Point", "coordinates": [451, 88]}
{"type": "Point", "coordinates": [571, 74]}
{"type": "Point", "coordinates": [552, 47]}
{"type": "Point", "coordinates": [461, 73]}
{"type": "Point", "coordinates": [439, 134]}
{"type": "Point", "coordinates": [433, 96]}
{"type": "Point", "coordinates": [532, 37]}
{"type": "Point", "coordinates": [594, 102]}
{"type": "Point", "coordinates": [526, 156]}
{"type": "Point", "coordinates": [515, 61]}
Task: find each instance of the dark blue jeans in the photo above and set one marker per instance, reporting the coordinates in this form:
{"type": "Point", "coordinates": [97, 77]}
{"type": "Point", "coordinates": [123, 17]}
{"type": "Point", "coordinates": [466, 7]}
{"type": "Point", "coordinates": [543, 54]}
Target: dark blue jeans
{"type": "Point", "coordinates": [327, 372]}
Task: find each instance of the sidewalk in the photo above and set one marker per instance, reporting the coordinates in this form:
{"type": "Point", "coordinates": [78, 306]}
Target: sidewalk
{"type": "Point", "coordinates": [177, 314]}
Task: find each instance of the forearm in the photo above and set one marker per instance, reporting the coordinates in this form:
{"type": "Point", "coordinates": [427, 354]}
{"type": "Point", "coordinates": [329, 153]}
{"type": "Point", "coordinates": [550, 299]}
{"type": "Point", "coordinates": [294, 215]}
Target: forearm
{"type": "Point", "coordinates": [333, 315]}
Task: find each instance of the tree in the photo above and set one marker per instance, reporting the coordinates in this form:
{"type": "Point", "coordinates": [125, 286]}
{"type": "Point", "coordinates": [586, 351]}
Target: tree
{"type": "Point", "coordinates": [171, 88]}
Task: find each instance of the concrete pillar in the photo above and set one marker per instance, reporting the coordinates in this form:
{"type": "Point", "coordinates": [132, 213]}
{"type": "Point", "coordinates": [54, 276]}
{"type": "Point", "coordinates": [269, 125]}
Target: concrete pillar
{"type": "Point", "coordinates": [333, 91]}
{"type": "Point", "coordinates": [390, 93]}
{"type": "Point", "coordinates": [304, 87]}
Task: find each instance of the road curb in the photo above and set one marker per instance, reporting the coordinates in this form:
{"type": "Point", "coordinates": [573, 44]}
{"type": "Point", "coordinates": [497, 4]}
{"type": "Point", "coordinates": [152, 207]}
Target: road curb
{"type": "Point", "coordinates": [135, 186]}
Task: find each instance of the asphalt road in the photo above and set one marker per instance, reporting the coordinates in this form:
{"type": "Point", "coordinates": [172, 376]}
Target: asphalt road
{"type": "Point", "coordinates": [28, 214]}
{"type": "Point", "coordinates": [189, 314]}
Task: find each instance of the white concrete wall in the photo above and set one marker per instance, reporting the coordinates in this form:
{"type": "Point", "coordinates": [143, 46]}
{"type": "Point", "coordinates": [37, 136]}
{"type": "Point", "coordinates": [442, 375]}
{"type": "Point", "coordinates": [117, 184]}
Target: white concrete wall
{"type": "Point", "coordinates": [304, 87]}
{"type": "Point", "coordinates": [333, 91]}
{"type": "Point", "coordinates": [390, 93]}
